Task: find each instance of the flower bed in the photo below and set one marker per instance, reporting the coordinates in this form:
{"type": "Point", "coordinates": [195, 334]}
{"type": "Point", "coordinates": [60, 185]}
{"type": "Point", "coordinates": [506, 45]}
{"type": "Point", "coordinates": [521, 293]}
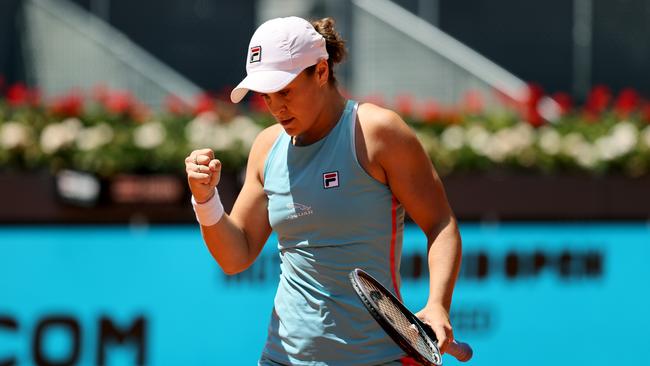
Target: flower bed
{"type": "Point", "coordinates": [107, 132]}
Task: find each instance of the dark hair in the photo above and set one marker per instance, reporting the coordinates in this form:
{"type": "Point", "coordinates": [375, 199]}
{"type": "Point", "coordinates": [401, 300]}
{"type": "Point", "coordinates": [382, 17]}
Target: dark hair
{"type": "Point", "coordinates": [335, 45]}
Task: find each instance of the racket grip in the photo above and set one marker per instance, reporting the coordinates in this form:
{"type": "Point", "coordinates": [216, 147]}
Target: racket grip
{"type": "Point", "coordinates": [461, 351]}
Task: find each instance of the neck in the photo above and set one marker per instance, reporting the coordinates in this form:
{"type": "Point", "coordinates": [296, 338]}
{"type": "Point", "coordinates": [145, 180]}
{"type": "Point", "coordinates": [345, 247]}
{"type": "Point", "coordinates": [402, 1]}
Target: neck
{"type": "Point", "coordinates": [325, 121]}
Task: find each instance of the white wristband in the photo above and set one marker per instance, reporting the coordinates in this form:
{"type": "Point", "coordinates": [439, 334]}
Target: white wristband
{"type": "Point", "coordinates": [210, 212]}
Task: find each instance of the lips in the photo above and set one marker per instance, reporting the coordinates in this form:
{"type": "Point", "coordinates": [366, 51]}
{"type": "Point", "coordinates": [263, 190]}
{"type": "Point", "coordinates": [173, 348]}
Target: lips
{"type": "Point", "coordinates": [286, 121]}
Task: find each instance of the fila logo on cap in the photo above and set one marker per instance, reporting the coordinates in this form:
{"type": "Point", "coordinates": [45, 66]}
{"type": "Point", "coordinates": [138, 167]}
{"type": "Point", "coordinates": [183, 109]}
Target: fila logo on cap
{"type": "Point", "coordinates": [330, 180]}
{"type": "Point", "coordinates": [256, 54]}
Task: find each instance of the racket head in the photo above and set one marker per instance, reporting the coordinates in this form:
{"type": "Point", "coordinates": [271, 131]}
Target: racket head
{"type": "Point", "coordinates": [397, 321]}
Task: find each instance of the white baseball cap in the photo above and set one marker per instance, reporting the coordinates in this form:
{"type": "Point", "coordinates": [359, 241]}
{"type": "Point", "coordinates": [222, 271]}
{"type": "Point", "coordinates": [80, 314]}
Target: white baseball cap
{"type": "Point", "coordinates": [278, 51]}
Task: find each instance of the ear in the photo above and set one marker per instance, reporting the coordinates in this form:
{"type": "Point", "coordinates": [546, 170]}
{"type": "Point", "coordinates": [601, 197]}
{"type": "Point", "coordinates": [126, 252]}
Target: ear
{"type": "Point", "coordinates": [322, 72]}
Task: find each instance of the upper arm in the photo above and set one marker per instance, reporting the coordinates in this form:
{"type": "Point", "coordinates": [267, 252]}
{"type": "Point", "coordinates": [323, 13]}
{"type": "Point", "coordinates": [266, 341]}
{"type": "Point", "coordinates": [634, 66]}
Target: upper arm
{"type": "Point", "coordinates": [249, 212]}
{"type": "Point", "coordinates": [409, 171]}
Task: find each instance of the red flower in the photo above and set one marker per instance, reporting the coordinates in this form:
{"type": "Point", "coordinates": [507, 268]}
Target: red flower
{"type": "Point", "coordinates": [565, 102]}
{"type": "Point", "coordinates": [451, 115]}
{"type": "Point", "coordinates": [70, 105]}
{"type": "Point", "coordinates": [627, 101]}
{"type": "Point", "coordinates": [430, 111]}
{"type": "Point", "coordinates": [473, 102]}
{"type": "Point", "coordinates": [176, 106]}
{"type": "Point", "coordinates": [204, 102]}
{"type": "Point", "coordinates": [598, 100]}
{"type": "Point", "coordinates": [19, 95]}
{"type": "Point", "coordinates": [404, 104]}
{"type": "Point", "coordinates": [120, 102]}
{"type": "Point", "coordinates": [139, 112]}
{"type": "Point", "coordinates": [2, 84]}
{"type": "Point", "coordinates": [530, 110]}
{"type": "Point", "coordinates": [257, 103]}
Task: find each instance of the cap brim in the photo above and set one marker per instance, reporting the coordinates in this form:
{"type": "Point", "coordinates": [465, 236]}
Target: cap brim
{"type": "Point", "coordinates": [262, 82]}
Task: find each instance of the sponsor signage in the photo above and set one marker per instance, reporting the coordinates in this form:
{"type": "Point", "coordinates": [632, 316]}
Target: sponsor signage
{"type": "Point", "coordinates": [111, 295]}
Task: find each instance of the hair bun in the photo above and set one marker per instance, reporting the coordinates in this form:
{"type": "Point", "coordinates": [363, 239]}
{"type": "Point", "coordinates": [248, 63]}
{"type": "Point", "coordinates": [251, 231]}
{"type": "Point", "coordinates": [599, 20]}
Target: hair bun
{"type": "Point", "coordinates": [334, 43]}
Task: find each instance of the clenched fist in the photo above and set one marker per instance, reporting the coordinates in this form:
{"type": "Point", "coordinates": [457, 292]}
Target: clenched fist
{"type": "Point", "coordinates": [203, 174]}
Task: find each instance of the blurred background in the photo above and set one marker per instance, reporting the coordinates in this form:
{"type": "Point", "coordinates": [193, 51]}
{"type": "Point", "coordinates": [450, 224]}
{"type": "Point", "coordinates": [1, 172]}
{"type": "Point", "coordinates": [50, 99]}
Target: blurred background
{"type": "Point", "coordinates": [535, 114]}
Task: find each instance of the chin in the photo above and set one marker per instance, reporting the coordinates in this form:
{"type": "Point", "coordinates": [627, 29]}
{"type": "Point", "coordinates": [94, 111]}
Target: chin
{"type": "Point", "coordinates": [290, 131]}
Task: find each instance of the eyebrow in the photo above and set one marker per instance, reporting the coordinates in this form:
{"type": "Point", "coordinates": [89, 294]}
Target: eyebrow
{"type": "Point", "coordinates": [285, 90]}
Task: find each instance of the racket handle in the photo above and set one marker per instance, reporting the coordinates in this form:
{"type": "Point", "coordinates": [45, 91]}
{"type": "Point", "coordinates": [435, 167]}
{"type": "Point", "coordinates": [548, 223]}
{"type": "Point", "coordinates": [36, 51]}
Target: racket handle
{"type": "Point", "coordinates": [461, 351]}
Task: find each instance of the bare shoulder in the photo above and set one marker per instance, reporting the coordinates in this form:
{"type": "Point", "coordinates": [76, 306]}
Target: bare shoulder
{"type": "Point", "coordinates": [266, 138]}
{"type": "Point", "coordinates": [261, 147]}
{"type": "Point", "coordinates": [382, 125]}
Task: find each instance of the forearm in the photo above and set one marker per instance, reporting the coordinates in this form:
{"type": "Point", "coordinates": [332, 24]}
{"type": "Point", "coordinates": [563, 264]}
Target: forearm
{"type": "Point", "coordinates": [444, 260]}
{"type": "Point", "coordinates": [228, 245]}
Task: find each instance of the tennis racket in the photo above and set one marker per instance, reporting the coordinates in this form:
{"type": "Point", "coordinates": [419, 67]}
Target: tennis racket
{"type": "Point", "coordinates": [414, 337]}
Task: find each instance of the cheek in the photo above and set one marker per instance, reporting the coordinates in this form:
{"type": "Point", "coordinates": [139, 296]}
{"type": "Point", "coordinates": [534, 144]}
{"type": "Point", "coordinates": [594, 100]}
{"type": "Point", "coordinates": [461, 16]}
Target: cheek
{"type": "Point", "coordinates": [308, 100]}
{"type": "Point", "coordinates": [299, 104]}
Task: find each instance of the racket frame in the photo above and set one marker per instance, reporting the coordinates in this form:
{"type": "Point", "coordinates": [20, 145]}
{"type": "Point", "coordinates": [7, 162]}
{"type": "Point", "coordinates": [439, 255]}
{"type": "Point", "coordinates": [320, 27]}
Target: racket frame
{"type": "Point", "coordinates": [425, 331]}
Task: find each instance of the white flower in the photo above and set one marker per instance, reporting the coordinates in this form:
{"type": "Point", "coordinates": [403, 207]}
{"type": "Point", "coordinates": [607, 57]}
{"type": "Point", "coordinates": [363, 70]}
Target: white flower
{"type": "Point", "coordinates": [453, 137]}
{"type": "Point", "coordinates": [57, 135]}
{"type": "Point", "coordinates": [72, 126]}
{"type": "Point", "coordinates": [14, 134]}
{"type": "Point", "coordinates": [606, 148]}
{"type": "Point", "coordinates": [200, 130]}
{"type": "Point", "coordinates": [149, 135]}
{"type": "Point", "coordinates": [645, 136]}
{"type": "Point", "coordinates": [94, 137]}
{"type": "Point", "coordinates": [223, 137]}
{"type": "Point", "coordinates": [478, 138]}
{"type": "Point", "coordinates": [571, 143]}
{"type": "Point", "coordinates": [625, 136]}
{"type": "Point", "coordinates": [206, 130]}
{"type": "Point", "coordinates": [575, 146]}
{"type": "Point", "coordinates": [499, 146]}
{"type": "Point", "coordinates": [523, 136]}
{"type": "Point", "coordinates": [550, 141]}
{"type": "Point", "coordinates": [245, 129]}
{"type": "Point", "coordinates": [622, 139]}
{"type": "Point", "coordinates": [586, 156]}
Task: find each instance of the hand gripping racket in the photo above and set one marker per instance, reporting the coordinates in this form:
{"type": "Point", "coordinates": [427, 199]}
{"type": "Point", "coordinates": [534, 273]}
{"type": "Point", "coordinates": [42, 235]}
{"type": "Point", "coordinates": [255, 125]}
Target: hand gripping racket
{"type": "Point", "coordinates": [414, 337]}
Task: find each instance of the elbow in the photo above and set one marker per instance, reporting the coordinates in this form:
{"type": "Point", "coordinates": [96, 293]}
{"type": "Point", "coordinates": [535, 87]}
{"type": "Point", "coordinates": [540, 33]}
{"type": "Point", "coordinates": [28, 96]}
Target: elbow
{"type": "Point", "coordinates": [446, 229]}
{"type": "Point", "coordinates": [443, 224]}
{"type": "Point", "coordinates": [232, 270]}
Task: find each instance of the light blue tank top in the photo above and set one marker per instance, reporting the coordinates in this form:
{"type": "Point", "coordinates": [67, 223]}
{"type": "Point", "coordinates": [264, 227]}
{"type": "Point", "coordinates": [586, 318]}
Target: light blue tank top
{"type": "Point", "coordinates": [330, 216]}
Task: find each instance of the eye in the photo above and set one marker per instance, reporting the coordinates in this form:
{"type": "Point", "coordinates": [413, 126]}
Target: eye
{"type": "Point", "coordinates": [283, 93]}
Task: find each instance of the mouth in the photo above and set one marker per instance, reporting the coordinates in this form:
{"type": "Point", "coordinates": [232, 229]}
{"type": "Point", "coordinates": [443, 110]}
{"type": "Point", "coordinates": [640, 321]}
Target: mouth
{"type": "Point", "coordinates": [285, 122]}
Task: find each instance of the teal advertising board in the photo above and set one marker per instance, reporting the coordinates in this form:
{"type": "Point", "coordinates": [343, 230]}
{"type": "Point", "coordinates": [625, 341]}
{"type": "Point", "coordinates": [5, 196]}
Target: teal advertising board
{"type": "Point", "coordinates": [539, 294]}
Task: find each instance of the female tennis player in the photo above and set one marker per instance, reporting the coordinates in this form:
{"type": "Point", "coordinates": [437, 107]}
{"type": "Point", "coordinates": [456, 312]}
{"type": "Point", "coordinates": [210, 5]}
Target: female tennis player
{"type": "Point", "coordinates": [333, 178]}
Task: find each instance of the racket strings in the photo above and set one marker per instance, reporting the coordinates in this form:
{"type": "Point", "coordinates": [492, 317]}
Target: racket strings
{"type": "Point", "coordinates": [390, 311]}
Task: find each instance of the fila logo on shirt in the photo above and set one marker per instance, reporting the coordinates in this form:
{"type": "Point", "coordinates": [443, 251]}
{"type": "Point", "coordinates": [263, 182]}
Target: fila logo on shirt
{"type": "Point", "coordinates": [256, 54]}
{"type": "Point", "coordinates": [330, 180]}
